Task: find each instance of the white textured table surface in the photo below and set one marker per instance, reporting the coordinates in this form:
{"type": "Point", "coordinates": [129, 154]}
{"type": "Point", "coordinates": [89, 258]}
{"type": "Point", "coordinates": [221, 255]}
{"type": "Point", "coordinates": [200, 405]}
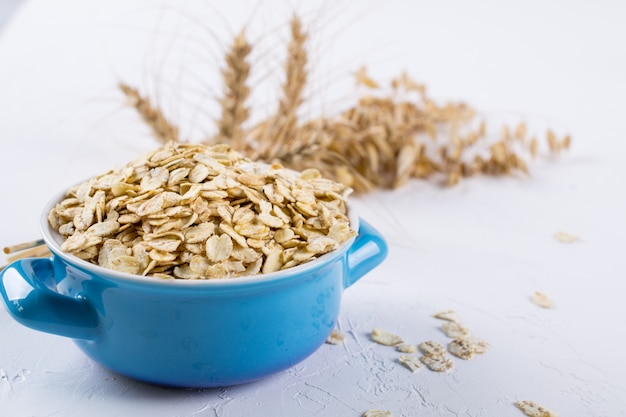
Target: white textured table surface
{"type": "Point", "coordinates": [481, 248]}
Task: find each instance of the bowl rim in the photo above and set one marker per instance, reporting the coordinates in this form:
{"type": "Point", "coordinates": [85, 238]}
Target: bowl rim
{"type": "Point", "coordinates": [53, 241]}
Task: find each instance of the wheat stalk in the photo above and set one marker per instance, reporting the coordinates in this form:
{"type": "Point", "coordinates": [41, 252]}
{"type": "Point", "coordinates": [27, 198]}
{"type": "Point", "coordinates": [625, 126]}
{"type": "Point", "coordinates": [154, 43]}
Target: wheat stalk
{"type": "Point", "coordinates": [23, 246]}
{"type": "Point", "coordinates": [161, 127]}
{"type": "Point", "coordinates": [236, 92]}
{"type": "Point", "coordinates": [279, 133]}
{"type": "Point", "coordinates": [34, 249]}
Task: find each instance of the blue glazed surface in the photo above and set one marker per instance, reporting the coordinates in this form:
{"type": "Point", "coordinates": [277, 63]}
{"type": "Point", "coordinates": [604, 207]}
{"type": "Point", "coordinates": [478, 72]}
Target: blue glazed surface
{"type": "Point", "coordinates": [189, 334]}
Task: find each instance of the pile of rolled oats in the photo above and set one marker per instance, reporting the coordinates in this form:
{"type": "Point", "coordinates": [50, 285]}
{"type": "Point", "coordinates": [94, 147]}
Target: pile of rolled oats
{"type": "Point", "coordinates": [195, 212]}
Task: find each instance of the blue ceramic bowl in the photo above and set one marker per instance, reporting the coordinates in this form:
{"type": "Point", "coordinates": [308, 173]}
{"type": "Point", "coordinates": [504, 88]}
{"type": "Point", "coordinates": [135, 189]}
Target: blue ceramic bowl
{"type": "Point", "coordinates": [188, 333]}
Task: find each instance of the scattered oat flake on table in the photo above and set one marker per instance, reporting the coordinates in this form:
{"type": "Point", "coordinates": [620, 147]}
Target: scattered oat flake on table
{"type": "Point", "coordinates": [532, 409]}
{"type": "Point", "coordinates": [455, 330]}
{"type": "Point", "coordinates": [461, 348]}
{"type": "Point", "coordinates": [565, 237]}
{"type": "Point", "coordinates": [385, 338]}
{"type": "Point", "coordinates": [541, 300]}
{"type": "Point", "coordinates": [335, 338]}
{"type": "Point", "coordinates": [437, 363]}
{"type": "Point", "coordinates": [478, 345]}
{"type": "Point", "coordinates": [432, 348]}
{"type": "Point", "coordinates": [406, 348]}
{"type": "Point", "coordinates": [449, 315]}
{"type": "Point", "coordinates": [377, 413]}
{"type": "Point", "coordinates": [411, 362]}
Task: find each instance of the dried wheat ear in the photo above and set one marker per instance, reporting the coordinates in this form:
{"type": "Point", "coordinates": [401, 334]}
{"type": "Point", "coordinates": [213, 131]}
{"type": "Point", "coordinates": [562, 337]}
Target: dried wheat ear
{"type": "Point", "coordinates": [386, 138]}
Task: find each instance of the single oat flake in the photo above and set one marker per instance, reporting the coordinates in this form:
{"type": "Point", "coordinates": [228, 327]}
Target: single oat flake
{"type": "Point", "coordinates": [455, 330]}
{"type": "Point", "coordinates": [410, 362]}
{"type": "Point", "coordinates": [461, 348]}
{"type": "Point", "coordinates": [437, 363]}
{"type": "Point", "coordinates": [541, 300]}
{"type": "Point", "coordinates": [432, 348]}
{"type": "Point", "coordinates": [377, 413]}
{"type": "Point", "coordinates": [385, 338]}
{"type": "Point", "coordinates": [448, 315]}
{"type": "Point", "coordinates": [406, 348]}
{"type": "Point", "coordinates": [532, 409]}
{"type": "Point", "coordinates": [479, 346]}
{"type": "Point", "coordinates": [565, 237]}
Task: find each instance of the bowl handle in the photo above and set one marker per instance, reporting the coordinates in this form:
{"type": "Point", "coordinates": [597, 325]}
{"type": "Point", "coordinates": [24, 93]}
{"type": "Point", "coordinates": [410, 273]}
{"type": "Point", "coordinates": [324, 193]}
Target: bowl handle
{"type": "Point", "coordinates": [34, 305]}
{"type": "Point", "coordinates": [368, 251]}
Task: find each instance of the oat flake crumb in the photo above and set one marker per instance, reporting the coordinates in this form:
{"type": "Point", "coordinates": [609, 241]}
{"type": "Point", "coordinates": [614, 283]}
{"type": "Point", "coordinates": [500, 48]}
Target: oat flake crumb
{"type": "Point", "coordinates": [541, 300]}
{"type": "Point", "coordinates": [532, 409]}
{"type": "Point", "coordinates": [335, 338]}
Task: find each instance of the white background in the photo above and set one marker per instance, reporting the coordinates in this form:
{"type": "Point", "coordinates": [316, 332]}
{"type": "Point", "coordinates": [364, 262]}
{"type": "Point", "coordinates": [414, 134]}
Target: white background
{"type": "Point", "coordinates": [481, 248]}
